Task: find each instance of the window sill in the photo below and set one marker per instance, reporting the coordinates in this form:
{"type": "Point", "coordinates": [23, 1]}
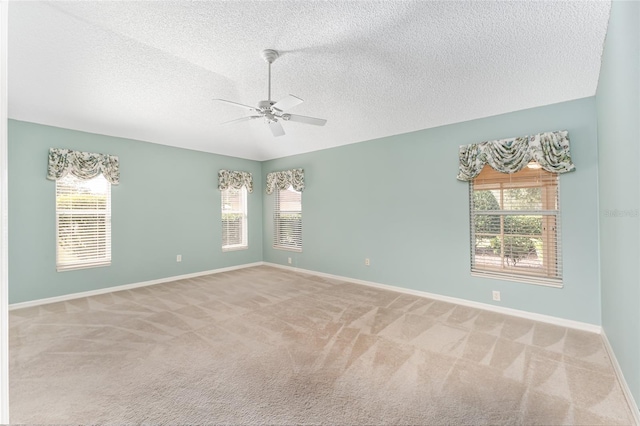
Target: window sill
{"type": "Point", "coordinates": [84, 266]}
{"type": "Point", "coordinates": [297, 250]}
{"type": "Point", "coordinates": [546, 282]}
{"type": "Point", "coordinates": [235, 248]}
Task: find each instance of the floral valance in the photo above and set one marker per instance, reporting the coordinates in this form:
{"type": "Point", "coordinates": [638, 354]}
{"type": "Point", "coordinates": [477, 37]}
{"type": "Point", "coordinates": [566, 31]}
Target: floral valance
{"type": "Point", "coordinates": [284, 179]}
{"type": "Point", "coordinates": [85, 165]}
{"type": "Point", "coordinates": [550, 150]}
{"type": "Point", "coordinates": [232, 179]}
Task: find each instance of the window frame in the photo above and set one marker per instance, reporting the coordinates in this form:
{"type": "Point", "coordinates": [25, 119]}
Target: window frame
{"type": "Point", "coordinates": [95, 262]}
{"type": "Point", "coordinates": [244, 244]}
{"type": "Point", "coordinates": [550, 230]}
{"type": "Point", "coordinates": [277, 225]}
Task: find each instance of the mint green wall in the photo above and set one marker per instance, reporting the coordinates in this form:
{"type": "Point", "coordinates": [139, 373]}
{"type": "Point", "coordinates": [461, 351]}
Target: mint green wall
{"type": "Point", "coordinates": [618, 104]}
{"type": "Point", "coordinates": [396, 201]}
{"type": "Point", "coordinates": [405, 211]}
{"type": "Point", "coordinates": [167, 203]}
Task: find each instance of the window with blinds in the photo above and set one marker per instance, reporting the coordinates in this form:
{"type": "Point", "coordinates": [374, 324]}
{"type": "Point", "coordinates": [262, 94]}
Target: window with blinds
{"type": "Point", "coordinates": [83, 222]}
{"type": "Point", "coordinates": [234, 219]}
{"type": "Point", "coordinates": [515, 225]}
{"type": "Point", "coordinates": [287, 227]}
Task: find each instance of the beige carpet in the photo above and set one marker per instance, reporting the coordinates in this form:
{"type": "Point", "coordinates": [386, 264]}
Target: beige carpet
{"type": "Point", "coordinates": [264, 345]}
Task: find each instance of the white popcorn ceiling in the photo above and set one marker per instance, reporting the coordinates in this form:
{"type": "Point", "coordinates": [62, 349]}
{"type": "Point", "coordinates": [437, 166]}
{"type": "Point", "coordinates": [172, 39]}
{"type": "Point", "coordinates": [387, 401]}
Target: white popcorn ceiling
{"type": "Point", "coordinates": [150, 70]}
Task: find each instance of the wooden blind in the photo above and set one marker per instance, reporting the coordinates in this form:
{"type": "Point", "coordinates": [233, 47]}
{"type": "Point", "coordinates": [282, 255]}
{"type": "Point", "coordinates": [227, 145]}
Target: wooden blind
{"type": "Point", "coordinates": [515, 225]}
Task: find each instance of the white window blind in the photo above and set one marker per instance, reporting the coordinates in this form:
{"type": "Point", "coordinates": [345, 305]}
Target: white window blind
{"type": "Point", "coordinates": [287, 225]}
{"type": "Point", "coordinates": [83, 222]}
{"type": "Point", "coordinates": [515, 225]}
{"type": "Point", "coordinates": [234, 219]}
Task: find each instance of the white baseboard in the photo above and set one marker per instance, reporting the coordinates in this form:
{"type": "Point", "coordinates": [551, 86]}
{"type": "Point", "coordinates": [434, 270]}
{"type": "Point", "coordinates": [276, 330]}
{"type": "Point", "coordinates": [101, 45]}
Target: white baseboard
{"type": "Point", "coordinates": [126, 287]}
{"type": "Point", "coordinates": [478, 305]}
{"type": "Point", "coordinates": [633, 406]}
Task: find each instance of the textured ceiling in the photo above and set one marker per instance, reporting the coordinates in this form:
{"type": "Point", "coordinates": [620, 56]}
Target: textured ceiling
{"type": "Point", "coordinates": [150, 70]}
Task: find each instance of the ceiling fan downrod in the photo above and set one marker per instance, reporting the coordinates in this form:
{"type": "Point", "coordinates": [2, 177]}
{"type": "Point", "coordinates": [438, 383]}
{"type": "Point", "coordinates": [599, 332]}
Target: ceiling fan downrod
{"type": "Point", "coordinates": [270, 56]}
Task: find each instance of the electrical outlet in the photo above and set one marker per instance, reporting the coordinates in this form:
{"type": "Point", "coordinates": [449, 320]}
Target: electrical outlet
{"type": "Point", "coordinates": [367, 262]}
{"type": "Point", "coordinates": [179, 258]}
{"type": "Point", "coordinates": [496, 295]}
{"type": "Point", "coordinates": [289, 261]}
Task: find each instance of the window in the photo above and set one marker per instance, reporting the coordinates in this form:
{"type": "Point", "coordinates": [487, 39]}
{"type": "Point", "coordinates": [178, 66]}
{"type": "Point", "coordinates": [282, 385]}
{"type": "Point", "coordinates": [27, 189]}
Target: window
{"type": "Point", "coordinates": [234, 219]}
{"type": "Point", "coordinates": [83, 222]}
{"type": "Point", "coordinates": [287, 227]}
{"type": "Point", "coordinates": [515, 225]}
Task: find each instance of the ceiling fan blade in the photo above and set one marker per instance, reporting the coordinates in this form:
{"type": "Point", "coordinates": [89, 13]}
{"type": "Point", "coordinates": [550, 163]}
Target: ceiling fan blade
{"type": "Point", "coordinates": [237, 104]}
{"type": "Point", "coordinates": [238, 120]}
{"type": "Point", "coordinates": [304, 119]}
{"type": "Point", "coordinates": [288, 102]}
{"type": "Point", "coordinates": [276, 128]}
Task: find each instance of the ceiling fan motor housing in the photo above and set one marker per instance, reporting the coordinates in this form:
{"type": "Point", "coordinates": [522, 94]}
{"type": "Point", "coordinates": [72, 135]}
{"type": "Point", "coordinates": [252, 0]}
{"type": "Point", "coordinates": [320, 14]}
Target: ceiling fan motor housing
{"type": "Point", "coordinates": [265, 105]}
{"type": "Point", "coordinates": [266, 109]}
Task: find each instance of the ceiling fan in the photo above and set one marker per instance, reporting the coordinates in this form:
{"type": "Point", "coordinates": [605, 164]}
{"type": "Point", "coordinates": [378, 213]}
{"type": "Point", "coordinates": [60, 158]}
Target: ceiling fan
{"type": "Point", "coordinates": [274, 112]}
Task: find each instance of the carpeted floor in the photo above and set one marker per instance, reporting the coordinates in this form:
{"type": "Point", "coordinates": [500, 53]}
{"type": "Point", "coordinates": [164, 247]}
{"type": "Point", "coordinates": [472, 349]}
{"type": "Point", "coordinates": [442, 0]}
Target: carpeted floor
{"type": "Point", "coordinates": [265, 345]}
